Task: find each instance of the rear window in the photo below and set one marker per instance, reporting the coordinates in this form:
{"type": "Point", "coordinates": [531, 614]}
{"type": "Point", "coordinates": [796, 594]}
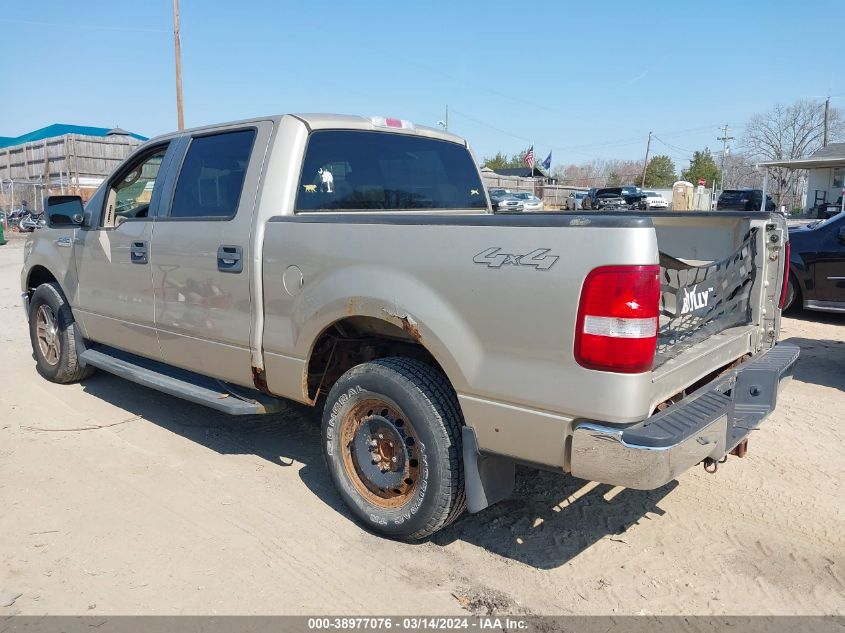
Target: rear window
{"type": "Point", "coordinates": [351, 170]}
{"type": "Point", "coordinates": [212, 175]}
{"type": "Point", "coordinates": [734, 196]}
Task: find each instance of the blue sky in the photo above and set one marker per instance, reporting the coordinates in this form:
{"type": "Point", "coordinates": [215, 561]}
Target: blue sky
{"type": "Point", "coordinates": [586, 79]}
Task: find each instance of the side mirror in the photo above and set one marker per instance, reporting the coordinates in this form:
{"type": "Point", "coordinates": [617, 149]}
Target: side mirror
{"type": "Point", "coordinates": [64, 211]}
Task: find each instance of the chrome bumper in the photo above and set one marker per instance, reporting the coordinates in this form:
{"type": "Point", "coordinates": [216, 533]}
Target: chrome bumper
{"type": "Point", "coordinates": [706, 424]}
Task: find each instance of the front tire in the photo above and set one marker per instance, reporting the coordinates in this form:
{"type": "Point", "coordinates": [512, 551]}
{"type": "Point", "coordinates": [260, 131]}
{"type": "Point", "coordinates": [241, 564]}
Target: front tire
{"type": "Point", "coordinates": [392, 444]}
{"type": "Point", "coordinates": [55, 340]}
{"type": "Point", "coordinates": [792, 292]}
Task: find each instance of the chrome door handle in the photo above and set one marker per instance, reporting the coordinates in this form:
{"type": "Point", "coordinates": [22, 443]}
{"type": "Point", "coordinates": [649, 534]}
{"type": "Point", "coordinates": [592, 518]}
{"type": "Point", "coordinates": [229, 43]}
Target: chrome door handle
{"type": "Point", "coordinates": [64, 242]}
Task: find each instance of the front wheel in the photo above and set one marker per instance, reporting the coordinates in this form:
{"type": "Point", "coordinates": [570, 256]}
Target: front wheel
{"type": "Point", "coordinates": [55, 340]}
{"type": "Point", "coordinates": [792, 292]}
{"type": "Point", "coordinates": [392, 444]}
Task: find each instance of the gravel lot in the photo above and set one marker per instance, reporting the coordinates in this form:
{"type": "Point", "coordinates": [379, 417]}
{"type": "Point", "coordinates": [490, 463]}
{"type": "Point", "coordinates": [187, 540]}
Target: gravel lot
{"type": "Point", "coordinates": [115, 499]}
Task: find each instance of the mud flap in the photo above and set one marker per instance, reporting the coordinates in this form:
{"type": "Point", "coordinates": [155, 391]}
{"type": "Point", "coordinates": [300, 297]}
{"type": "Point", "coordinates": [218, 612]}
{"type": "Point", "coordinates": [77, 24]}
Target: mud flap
{"type": "Point", "coordinates": [488, 478]}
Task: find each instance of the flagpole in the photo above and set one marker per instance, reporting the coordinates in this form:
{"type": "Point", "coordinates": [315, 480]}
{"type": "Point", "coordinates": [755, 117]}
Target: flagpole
{"type": "Point", "coordinates": [531, 166]}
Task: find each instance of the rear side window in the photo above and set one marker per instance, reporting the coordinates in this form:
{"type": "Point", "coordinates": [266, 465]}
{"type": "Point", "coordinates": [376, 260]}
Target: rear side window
{"type": "Point", "coordinates": [212, 176]}
{"type": "Point", "coordinates": [352, 170]}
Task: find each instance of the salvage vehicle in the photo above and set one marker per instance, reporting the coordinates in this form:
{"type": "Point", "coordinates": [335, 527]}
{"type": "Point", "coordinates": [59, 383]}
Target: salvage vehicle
{"type": "Point", "coordinates": [504, 201]}
{"type": "Point", "coordinates": [606, 199]}
{"type": "Point", "coordinates": [355, 264]}
{"type": "Point", "coordinates": [817, 265]}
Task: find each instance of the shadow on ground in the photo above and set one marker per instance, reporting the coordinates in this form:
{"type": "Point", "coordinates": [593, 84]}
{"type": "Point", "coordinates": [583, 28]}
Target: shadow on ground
{"type": "Point", "coordinates": [822, 361]}
{"type": "Point", "coordinates": [550, 519]}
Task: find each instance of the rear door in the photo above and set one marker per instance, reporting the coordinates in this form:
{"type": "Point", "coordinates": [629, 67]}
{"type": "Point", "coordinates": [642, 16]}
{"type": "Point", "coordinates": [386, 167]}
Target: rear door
{"type": "Point", "coordinates": [201, 253]}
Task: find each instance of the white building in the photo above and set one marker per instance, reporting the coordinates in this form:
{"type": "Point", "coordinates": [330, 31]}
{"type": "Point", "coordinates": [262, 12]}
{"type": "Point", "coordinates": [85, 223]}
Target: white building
{"type": "Point", "coordinates": [825, 173]}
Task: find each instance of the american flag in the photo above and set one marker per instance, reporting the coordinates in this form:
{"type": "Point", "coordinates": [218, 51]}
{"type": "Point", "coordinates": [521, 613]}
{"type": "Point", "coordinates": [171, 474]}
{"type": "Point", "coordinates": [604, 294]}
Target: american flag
{"type": "Point", "coordinates": [529, 157]}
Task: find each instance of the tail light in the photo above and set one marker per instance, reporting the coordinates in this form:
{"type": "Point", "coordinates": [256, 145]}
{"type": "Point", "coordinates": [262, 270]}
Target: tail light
{"type": "Point", "coordinates": [618, 318]}
{"type": "Point", "coordinates": [381, 121]}
{"type": "Point", "coordinates": [787, 252]}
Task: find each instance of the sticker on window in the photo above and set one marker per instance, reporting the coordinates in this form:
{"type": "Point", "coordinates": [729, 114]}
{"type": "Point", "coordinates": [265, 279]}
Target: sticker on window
{"type": "Point", "coordinates": [326, 180]}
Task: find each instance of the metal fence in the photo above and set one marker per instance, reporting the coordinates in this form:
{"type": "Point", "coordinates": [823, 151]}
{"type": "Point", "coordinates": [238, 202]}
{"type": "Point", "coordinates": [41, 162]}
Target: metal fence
{"type": "Point", "coordinates": [13, 193]}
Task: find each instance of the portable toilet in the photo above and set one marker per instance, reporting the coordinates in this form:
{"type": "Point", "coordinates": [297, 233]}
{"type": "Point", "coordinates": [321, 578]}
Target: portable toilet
{"type": "Point", "coordinates": [682, 196]}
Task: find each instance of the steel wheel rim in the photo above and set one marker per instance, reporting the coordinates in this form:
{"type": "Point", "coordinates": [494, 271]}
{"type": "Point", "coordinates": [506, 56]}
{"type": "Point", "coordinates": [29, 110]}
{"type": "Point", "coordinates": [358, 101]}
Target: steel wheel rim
{"type": "Point", "coordinates": [46, 331]}
{"type": "Point", "coordinates": [361, 426]}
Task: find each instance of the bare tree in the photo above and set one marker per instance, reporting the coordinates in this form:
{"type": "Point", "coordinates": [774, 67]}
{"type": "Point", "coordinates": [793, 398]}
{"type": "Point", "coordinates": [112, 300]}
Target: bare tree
{"type": "Point", "coordinates": [786, 133]}
{"type": "Point", "coordinates": [600, 172]}
{"type": "Point", "coordinates": [741, 171]}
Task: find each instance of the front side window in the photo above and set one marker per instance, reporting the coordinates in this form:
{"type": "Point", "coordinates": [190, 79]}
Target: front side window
{"type": "Point", "coordinates": [212, 176]}
{"type": "Point", "coordinates": [131, 193]}
{"type": "Point", "coordinates": [352, 170]}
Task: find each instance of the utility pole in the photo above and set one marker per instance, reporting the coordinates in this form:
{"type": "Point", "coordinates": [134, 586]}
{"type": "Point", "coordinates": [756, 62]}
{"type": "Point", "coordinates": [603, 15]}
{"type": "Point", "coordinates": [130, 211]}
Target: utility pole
{"type": "Point", "coordinates": [724, 138]}
{"type": "Point", "coordinates": [645, 164]}
{"type": "Point", "coordinates": [178, 46]}
{"type": "Point", "coordinates": [826, 122]}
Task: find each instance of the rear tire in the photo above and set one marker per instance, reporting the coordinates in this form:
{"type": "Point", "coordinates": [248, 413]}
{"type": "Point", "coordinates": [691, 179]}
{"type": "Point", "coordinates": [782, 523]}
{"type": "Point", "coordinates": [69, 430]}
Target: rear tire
{"type": "Point", "coordinates": [392, 444]}
{"type": "Point", "coordinates": [55, 339]}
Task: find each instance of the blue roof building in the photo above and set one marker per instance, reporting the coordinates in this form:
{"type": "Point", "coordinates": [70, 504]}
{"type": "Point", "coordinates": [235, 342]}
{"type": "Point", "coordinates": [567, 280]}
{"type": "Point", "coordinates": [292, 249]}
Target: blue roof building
{"type": "Point", "coordinates": [60, 129]}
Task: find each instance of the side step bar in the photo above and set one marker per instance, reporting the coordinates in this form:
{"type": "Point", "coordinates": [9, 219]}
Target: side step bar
{"type": "Point", "coordinates": [181, 383]}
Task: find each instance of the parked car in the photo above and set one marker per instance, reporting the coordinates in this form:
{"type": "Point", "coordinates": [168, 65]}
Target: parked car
{"type": "Point", "coordinates": [829, 209]}
{"type": "Point", "coordinates": [743, 200]}
{"type": "Point", "coordinates": [530, 202]}
{"type": "Point", "coordinates": [574, 201]}
{"type": "Point", "coordinates": [654, 200]}
{"type": "Point", "coordinates": [817, 266]}
{"type": "Point", "coordinates": [634, 196]}
{"type": "Point", "coordinates": [422, 325]}
{"type": "Point", "coordinates": [605, 199]}
{"type": "Point", "coordinates": [503, 201]}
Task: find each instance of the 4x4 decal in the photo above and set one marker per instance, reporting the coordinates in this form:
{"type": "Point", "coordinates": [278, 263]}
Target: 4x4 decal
{"type": "Point", "coordinates": [538, 258]}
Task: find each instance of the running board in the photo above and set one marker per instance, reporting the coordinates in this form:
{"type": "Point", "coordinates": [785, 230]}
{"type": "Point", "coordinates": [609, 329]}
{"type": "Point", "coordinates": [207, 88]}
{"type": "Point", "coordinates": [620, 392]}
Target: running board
{"type": "Point", "coordinates": [181, 383]}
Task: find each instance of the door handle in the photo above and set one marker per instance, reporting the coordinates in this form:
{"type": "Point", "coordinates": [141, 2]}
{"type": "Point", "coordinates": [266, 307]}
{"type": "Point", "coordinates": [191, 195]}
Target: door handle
{"type": "Point", "coordinates": [230, 258]}
{"type": "Point", "coordinates": [138, 253]}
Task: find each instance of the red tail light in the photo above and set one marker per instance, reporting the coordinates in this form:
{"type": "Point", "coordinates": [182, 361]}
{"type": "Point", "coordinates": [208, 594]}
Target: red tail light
{"type": "Point", "coordinates": [787, 251]}
{"type": "Point", "coordinates": [618, 318]}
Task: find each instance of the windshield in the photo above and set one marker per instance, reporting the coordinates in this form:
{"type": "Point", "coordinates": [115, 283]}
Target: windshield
{"type": "Point", "coordinates": [830, 220]}
{"type": "Point", "coordinates": [354, 170]}
{"type": "Point", "coordinates": [652, 194]}
{"type": "Point", "coordinates": [524, 196]}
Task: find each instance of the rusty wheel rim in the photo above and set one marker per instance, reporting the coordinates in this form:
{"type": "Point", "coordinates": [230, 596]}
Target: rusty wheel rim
{"type": "Point", "coordinates": [47, 334]}
{"type": "Point", "coordinates": [380, 451]}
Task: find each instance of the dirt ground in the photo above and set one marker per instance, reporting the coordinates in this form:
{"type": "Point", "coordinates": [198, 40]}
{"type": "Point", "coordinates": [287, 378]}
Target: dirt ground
{"type": "Point", "coordinates": [115, 499]}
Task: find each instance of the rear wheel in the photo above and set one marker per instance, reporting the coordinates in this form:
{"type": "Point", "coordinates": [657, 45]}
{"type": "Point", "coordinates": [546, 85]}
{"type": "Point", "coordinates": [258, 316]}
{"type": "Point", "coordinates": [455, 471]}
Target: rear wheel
{"type": "Point", "coordinates": [392, 444]}
{"type": "Point", "coordinates": [54, 337]}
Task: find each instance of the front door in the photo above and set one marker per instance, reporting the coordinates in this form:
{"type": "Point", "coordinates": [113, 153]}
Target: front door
{"type": "Point", "coordinates": [115, 292]}
{"type": "Point", "coordinates": [201, 254]}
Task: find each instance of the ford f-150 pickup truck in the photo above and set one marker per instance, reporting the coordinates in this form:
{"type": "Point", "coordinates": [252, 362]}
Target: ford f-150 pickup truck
{"type": "Point", "coordinates": [355, 264]}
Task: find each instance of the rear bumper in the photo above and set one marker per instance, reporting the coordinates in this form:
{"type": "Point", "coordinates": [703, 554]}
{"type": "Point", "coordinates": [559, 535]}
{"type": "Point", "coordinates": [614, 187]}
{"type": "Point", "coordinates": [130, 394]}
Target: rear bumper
{"type": "Point", "coordinates": [706, 424]}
